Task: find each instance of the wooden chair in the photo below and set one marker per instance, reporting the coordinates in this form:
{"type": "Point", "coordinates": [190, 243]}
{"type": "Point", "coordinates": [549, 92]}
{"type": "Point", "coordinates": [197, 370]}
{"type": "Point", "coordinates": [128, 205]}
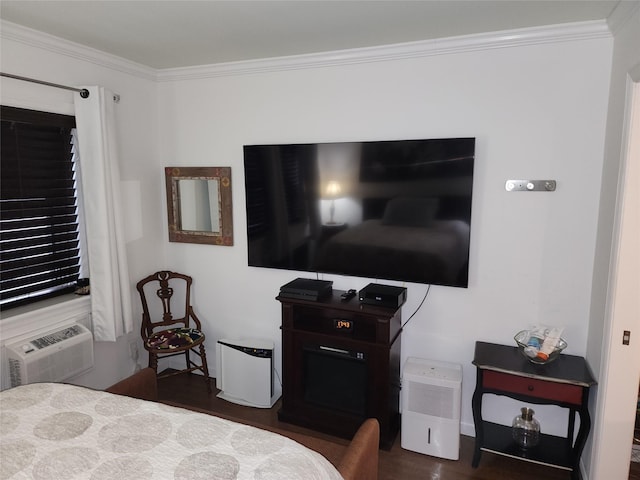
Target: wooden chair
{"type": "Point", "coordinates": [165, 333]}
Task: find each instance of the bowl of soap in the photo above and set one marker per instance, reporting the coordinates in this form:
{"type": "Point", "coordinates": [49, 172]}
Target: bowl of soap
{"type": "Point", "coordinates": [530, 345]}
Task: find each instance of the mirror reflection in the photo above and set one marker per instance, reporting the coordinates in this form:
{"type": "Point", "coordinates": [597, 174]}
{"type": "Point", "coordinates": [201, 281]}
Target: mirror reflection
{"type": "Point", "coordinates": [199, 205]}
{"type": "Point", "coordinates": [199, 208]}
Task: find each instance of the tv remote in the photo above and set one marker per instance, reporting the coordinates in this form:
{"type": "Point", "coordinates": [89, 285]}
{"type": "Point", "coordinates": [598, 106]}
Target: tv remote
{"type": "Point", "coordinates": [348, 295]}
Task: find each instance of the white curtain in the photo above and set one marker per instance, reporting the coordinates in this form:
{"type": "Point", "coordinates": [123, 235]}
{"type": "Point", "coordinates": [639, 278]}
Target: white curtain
{"type": "Point", "coordinates": [111, 310]}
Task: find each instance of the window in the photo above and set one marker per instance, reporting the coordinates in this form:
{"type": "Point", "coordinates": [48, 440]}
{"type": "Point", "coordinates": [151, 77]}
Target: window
{"type": "Point", "coordinates": [39, 231]}
{"type": "Point", "coordinates": [290, 173]}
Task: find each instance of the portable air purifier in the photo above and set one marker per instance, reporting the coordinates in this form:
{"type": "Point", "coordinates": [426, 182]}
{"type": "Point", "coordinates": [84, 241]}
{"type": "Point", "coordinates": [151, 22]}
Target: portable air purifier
{"type": "Point", "coordinates": [245, 372]}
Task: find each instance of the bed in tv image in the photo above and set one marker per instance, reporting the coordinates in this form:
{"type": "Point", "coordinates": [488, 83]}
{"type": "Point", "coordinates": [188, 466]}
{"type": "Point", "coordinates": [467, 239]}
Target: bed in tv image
{"type": "Point", "coordinates": [404, 244]}
{"type": "Point", "coordinates": [395, 210]}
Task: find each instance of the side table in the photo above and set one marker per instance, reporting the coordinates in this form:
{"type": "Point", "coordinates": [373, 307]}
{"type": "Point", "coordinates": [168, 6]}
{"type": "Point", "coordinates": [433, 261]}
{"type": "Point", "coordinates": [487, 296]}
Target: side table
{"type": "Point", "coordinates": [565, 382]}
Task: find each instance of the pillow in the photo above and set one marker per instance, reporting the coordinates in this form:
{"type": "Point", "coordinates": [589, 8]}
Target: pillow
{"type": "Point", "coordinates": [410, 212]}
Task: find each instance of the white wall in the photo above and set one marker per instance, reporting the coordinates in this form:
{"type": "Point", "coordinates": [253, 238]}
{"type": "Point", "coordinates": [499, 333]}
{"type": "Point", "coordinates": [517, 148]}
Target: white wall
{"type": "Point", "coordinates": [31, 54]}
{"type": "Point", "coordinates": [537, 111]}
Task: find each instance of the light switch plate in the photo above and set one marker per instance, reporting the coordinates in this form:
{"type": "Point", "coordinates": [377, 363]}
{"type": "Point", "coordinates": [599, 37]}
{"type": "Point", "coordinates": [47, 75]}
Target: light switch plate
{"type": "Point", "coordinates": [530, 185]}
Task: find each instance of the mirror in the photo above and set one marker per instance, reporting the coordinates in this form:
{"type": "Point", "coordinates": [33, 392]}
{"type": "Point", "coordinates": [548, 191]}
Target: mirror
{"type": "Point", "coordinates": [199, 205]}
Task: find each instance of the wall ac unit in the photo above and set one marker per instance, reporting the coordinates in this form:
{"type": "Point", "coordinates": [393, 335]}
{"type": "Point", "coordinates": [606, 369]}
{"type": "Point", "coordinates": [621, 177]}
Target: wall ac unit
{"type": "Point", "coordinates": [431, 396]}
{"type": "Point", "coordinates": [245, 373]}
{"type": "Point", "coordinates": [51, 357]}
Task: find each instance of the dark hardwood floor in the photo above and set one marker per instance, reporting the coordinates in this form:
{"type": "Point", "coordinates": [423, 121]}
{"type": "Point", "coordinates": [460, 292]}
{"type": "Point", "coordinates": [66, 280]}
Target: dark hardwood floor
{"type": "Point", "coordinates": [395, 464]}
{"type": "Point", "coordinates": [634, 470]}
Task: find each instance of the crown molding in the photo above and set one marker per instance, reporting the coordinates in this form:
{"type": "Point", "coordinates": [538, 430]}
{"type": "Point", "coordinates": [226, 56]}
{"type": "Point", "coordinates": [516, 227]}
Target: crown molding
{"type": "Point", "coordinates": [621, 15]}
{"type": "Point", "coordinates": [44, 41]}
{"type": "Point", "coordinates": [443, 46]}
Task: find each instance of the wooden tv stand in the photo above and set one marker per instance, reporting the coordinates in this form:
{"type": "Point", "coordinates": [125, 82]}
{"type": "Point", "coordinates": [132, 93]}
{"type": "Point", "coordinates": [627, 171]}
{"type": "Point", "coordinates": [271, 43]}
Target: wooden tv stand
{"type": "Point", "coordinates": [363, 338]}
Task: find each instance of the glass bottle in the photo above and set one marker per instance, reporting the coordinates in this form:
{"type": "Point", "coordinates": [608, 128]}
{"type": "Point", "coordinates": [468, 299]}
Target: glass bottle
{"type": "Point", "coordinates": [526, 429]}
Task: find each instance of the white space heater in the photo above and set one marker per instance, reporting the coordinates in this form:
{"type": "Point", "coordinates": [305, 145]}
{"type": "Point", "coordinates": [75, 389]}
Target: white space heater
{"type": "Point", "coordinates": [245, 372]}
{"type": "Point", "coordinates": [431, 396]}
{"type": "Point", "coordinates": [51, 357]}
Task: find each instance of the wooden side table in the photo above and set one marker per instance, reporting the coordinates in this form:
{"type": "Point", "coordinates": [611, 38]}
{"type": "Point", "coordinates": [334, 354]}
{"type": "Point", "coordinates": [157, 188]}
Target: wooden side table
{"type": "Point", "coordinates": [565, 382]}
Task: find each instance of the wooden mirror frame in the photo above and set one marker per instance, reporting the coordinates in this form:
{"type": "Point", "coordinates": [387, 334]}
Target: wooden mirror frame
{"type": "Point", "coordinates": [224, 236]}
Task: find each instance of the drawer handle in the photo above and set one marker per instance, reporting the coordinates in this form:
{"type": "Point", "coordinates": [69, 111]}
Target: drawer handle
{"type": "Point", "coordinates": [530, 388]}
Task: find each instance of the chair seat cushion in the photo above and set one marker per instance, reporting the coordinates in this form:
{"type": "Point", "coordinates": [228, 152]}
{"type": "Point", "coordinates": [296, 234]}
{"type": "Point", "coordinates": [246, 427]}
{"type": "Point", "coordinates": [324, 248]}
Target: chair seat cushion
{"type": "Point", "coordinates": [174, 338]}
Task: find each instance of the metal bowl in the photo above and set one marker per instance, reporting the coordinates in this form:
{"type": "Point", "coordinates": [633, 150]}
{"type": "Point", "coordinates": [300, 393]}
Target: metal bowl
{"type": "Point", "coordinates": [522, 338]}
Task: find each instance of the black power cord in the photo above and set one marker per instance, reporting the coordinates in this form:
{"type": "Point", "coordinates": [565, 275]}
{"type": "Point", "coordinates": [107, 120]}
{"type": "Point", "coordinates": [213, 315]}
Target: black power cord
{"type": "Point", "coordinates": [417, 309]}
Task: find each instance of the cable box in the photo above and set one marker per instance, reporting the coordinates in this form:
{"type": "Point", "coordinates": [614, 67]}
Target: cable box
{"type": "Point", "coordinates": [307, 289]}
{"type": "Point", "coordinates": [383, 295]}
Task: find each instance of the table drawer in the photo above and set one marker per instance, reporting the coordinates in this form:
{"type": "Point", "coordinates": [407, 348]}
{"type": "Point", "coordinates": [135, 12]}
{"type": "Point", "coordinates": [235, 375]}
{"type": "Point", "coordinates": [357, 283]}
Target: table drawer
{"type": "Point", "coordinates": [559, 392]}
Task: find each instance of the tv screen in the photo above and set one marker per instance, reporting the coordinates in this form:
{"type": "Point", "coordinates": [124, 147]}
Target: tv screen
{"type": "Point", "coordinates": [394, 210]}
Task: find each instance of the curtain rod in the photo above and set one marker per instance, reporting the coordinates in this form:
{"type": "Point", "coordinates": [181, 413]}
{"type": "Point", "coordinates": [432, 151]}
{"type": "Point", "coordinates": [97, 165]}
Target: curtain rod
{"type": "Point", "coordinates": [84, 93]}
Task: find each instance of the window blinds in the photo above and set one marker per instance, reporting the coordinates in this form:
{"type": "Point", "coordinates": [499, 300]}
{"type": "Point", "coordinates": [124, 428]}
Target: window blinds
{"type": "Point", "coordinates": [39, 254]}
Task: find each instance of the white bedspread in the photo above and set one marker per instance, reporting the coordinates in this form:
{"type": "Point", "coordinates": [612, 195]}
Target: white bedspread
{"type": "Point", "coordinates": [56, 431]}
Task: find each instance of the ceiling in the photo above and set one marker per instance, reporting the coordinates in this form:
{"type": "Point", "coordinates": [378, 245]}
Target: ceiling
{"type": "Point", "coordinates": [178, 33]}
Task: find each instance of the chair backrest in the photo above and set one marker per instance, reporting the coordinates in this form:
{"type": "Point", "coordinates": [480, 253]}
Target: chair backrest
{"type": "Point", "coordinates": [166, 298]}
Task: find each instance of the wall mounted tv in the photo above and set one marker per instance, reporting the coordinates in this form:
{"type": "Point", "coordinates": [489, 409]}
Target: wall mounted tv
{"type": "Point", "coordinates": [387, 210]}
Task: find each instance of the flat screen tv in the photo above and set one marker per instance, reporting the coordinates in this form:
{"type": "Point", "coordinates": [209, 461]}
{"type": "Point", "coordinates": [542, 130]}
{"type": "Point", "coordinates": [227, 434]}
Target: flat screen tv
{"type": "Point", "coordinates": [384, 210]}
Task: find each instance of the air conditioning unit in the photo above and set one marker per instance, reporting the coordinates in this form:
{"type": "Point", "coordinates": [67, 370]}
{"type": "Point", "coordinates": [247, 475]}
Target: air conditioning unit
{"type": "Point", "coordinates": [245, 372]}
{"type": "Point", "coordinates": [51, 357]}
{"type": "Point", "coordinates": [431, 397]}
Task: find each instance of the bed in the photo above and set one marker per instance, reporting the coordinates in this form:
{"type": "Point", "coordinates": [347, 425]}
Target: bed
{"type": "Point", "coordinates": [53, 430]}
